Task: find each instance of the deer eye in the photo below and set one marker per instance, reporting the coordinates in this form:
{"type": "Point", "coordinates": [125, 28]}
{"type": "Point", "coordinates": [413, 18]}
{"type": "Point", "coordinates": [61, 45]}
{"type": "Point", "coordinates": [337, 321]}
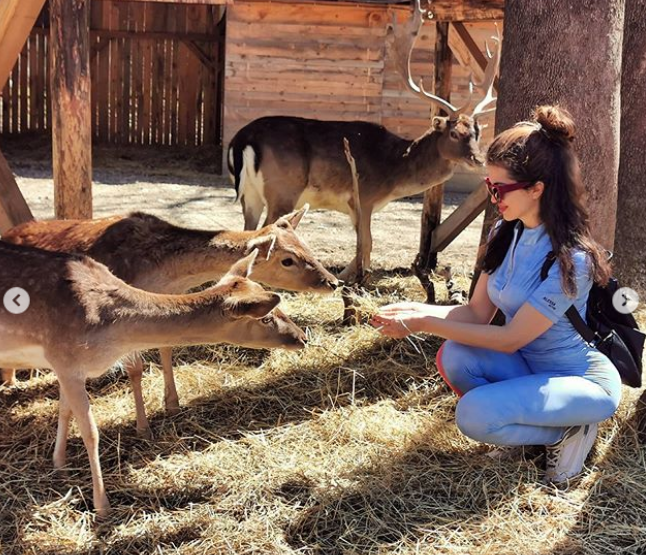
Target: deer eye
{"type": "Point", "coordinates": [454, 135]}
{"type": "Point", "coordinates": [287, 262]}
{"type": "Point", "coordinates": [267, 320]}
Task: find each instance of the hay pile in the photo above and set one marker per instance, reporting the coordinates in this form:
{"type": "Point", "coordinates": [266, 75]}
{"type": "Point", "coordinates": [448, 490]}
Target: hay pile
{"type": "Point", "coordinates": [347, 447]}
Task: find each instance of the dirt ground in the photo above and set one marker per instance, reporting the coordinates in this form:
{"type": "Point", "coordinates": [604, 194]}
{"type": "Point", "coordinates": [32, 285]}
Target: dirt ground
{"type": "Point", "coordinates": [184, 188]}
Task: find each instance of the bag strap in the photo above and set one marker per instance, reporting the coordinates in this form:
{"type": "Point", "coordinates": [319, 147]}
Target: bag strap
{"type": "Point", "coordinates": [572, 313]}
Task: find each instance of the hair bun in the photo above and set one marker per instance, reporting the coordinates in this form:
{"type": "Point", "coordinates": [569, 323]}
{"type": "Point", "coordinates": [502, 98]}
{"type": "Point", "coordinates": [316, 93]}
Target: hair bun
{"type": "Point", "coordinates": [556, 122]}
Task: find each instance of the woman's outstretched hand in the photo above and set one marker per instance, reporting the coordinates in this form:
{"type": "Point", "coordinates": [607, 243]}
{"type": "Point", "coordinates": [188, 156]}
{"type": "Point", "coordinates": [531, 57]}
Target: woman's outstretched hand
{"type": "Point", "coordinates": [400, 320]}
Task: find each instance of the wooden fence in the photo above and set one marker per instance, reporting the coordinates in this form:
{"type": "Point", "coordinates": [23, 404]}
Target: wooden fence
{"type": "Point", "coordinates": [157, 75]}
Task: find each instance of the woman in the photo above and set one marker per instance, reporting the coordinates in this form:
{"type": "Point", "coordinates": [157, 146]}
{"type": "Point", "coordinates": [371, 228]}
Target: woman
{"type": "Point", "coordinates": [534, 380]}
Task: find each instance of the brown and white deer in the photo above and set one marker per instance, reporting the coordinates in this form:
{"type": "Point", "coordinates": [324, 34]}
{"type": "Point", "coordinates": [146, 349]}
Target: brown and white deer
{"type": "Point", "coordinates": [283, 162]}
{"type": "Point", "coordinates": [154, 255]}
{"type": "Point", "coordinates": [82, 319]}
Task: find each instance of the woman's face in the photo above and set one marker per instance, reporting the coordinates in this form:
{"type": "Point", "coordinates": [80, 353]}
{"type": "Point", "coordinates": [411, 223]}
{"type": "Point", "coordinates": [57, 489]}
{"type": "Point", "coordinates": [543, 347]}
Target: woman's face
{"type": "Point", "coordinates": [519, 204]}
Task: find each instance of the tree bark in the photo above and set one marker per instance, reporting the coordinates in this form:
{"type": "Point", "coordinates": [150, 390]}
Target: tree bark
{"type": "Point", "coordinates": [630, 260]}
{"type": "Point", "coordinates": [558, 51]}
{"type": "Point", "coordinates": [70, 100]}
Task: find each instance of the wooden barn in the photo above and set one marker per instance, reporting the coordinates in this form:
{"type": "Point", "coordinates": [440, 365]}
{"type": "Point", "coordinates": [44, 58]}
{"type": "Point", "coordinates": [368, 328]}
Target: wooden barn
{"type": "Point", "coordinates": [194, 72]}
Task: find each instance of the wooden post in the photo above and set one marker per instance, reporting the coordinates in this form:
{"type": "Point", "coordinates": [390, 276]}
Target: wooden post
{"type": "Point", "coordinates": [17, 17]}
{"type": "Point", "coordinates": [13, 208]}
{"type": "Point", "coordinates": [70, 100]}
{"type": "Point", "coordinates": [426, 260]}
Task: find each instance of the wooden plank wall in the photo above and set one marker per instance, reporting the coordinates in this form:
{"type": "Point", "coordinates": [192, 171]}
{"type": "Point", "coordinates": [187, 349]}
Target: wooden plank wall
{"type": "Point", "coordinates": [161, 88]}
{"type": "Point", "coordinates": [320, 61]}
{"type": "Point", "coordinates": [23, 105]}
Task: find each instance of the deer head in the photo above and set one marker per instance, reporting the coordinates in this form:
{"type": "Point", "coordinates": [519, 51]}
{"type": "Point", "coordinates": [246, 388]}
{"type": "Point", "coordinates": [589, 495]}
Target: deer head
{"type": "Point", "coordinates": [285, 261]}
{"type": "Point", "coordinates": [460, 131]}
{"type": "Point", "coordinates": [255, 320]}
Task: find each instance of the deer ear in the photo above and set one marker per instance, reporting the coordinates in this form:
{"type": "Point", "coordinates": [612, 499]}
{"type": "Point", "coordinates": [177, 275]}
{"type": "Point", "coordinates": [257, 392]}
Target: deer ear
{"type": "Point", "coordinates": [260, 242]}
{"type": "Point", "coordinates": [243, 267]}
{"type": "Point", "coordinates": [439, 123]}
{"type": "Point", "coordinates": [294, 218]}
{"type": "Point", "coordinates": [256, 307]}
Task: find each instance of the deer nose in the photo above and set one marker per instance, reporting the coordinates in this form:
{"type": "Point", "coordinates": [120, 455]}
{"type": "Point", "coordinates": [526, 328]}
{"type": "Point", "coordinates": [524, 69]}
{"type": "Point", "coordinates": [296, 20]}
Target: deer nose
{"type": "Point", "coordinates": [331, 283]}
{"type": "Point", "coordinates": [478, 159]}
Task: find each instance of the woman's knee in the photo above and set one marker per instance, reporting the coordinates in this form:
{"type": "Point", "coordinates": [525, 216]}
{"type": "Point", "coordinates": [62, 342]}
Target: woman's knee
{"type": "Point", "coordinates": [472, 416]}
{"type": "Point", "coordinates": [452, 360]}
{"type": "Point", "coordinates": [609, 406]}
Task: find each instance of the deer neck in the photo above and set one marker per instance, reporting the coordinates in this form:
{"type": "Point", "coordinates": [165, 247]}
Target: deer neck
{"type": "Point", "coordinates": [198, 326]}
{"type": "Point", "coordinates": [422, 165]}
{"type": "Point", "coordinates": [141, 320]}
{"type": "Point", "coordinates": [199, 257]}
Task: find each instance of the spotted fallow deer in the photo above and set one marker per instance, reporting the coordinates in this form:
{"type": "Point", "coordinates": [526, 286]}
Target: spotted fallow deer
{"type": "Point", "coordinates": [82, 319]}
{"type": "Point", "coordinates": [151, 254]}
{"type": "Point", "coordinates": [282, 162]}
{"type": "Point", "coordinates": [154, 255]}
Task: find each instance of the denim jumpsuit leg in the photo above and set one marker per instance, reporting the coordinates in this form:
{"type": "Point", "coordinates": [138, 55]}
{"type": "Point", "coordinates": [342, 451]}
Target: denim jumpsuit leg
{"type": "Point", "coordinates": [504, 402]}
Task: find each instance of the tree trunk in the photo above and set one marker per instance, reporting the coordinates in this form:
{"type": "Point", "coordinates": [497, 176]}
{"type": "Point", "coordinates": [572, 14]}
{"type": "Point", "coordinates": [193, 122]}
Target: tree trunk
{"type": "Point", "coordinates": [558, 51]}
{"type": "Point", "coordinates": [630, 261]}
{"type": "Point", "coordinates": [70, 99]}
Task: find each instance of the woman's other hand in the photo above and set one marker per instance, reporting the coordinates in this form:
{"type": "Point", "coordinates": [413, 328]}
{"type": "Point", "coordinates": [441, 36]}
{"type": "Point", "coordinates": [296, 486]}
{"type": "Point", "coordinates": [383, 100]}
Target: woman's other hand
{"type": "Point", "coordinates": [399, 320]}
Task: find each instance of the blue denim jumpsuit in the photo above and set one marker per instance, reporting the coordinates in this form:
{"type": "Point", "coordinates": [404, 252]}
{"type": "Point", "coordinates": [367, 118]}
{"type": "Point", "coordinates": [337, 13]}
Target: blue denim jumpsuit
{"type": "Point", "coordinates": [529, 397]}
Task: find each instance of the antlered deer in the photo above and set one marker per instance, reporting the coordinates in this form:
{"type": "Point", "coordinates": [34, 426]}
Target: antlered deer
{"type": "Point", "coordinates": [283, 162]}
{"type": "Point", "coordinates": [156, 256]}
{"type": "Point", "coordinates": [82, 319]}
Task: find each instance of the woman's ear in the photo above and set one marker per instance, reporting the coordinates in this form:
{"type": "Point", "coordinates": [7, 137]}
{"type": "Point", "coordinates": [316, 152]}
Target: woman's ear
{"type": "Point", "coordinates": [537, 190]}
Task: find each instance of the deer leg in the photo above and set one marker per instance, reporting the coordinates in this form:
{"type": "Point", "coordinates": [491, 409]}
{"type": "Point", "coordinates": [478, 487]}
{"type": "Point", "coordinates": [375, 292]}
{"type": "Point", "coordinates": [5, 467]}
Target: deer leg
{"type": "Point", "coordinates": [73, 390]}
{"type": "Point", "coordinates": [276, 210]}
{"type": "Point", "coordinates": [362, 229]}
{"type": "Point", "coordinates": [366, 237]}
{"type": "Point", "coordinates": [8, 377]}
{"type": "Point", "coordinates": [171, 399]}
{"type": "Point", "coordinates": [64, 416]}
{"type": "Point", "coordinates": [252, 207]}
{"type": "Point", "coordinates": [135, 368]}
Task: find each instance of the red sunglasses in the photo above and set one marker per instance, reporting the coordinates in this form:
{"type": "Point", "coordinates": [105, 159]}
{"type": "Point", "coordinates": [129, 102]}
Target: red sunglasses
{"type": "Point", "coordinates": [499, 190]}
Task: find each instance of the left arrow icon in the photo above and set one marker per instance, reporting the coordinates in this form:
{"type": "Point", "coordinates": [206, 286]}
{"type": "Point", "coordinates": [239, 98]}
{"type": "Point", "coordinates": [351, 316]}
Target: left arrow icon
{"type": "Point", "coordinates": [16, 300]}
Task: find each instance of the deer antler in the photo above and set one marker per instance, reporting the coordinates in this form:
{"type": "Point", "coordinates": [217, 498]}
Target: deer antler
{"type": "Point", "coordinates": [489, 78]}
{"type": "Point", "coordinates": [405, 39]}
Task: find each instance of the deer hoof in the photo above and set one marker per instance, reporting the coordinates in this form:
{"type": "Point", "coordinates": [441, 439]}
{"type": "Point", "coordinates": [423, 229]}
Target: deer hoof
{"type": "Point", "coordinates": [102, 508]}
{"type": "Point", "coordinates": [172, 408]}
{"type": "Point", "coordinates": [144, 433]}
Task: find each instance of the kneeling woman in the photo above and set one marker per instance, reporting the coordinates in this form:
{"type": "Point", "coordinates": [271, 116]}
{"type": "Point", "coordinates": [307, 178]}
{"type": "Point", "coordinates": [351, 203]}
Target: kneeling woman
{"type": "Point", "coordinates": [534, 380]}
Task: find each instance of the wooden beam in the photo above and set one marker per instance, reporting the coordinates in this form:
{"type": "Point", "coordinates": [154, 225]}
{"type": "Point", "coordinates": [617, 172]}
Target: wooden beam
{"type": "Point", "coordinates": [467, 10]}
{"type": "Point", "coordinates": [71, 110]}
{"type": "Point", "coordinates": [466, 51]}
{"type": "Point", "coordinates": [442, 10]}
{"type": "Point", "coordinates": [461, 217]}
{"type": "Point", "coordinates": [13, 208]}
{"type": "Point", "coordinates": [141, 35]}
{"type": "Point", "coordinates": [204, 2]}
{"type": "Point", "coordinates": [434, 197]}
{"type": "Point", "coordinates": [17, 17]}
{"type": "Point", "coordinates": [202, 56]}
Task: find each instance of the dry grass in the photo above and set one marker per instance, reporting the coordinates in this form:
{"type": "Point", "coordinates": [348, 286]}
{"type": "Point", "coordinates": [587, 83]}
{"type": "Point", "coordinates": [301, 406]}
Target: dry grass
{"type": "Point", "coordinates": [347, 447]}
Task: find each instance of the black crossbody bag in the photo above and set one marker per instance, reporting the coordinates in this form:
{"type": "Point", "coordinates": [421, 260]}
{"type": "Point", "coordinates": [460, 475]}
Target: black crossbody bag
{"type": "Point", "coordinates": [615, 334]}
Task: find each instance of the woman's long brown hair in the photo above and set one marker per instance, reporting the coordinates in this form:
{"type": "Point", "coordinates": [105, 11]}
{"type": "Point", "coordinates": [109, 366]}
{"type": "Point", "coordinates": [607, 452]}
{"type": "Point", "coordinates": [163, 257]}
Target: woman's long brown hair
{"type": "Point", "coordinates": [541, 150]}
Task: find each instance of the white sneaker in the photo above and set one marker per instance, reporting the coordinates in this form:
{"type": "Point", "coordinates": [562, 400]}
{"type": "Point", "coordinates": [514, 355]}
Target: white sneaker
{"type": "Point", "coordinates": [564, 459]}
